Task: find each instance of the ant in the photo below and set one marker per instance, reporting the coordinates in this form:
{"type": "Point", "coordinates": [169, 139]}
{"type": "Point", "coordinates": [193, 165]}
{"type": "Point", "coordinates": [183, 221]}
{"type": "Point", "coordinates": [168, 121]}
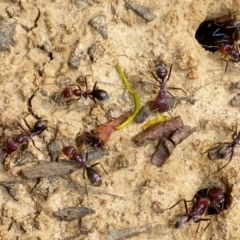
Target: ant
{"type": "Point", "coordinates": [225, 149]}
{"type": "Point", "coordinates": [93, 176]}
{"type": "Point", "coordinates": [161, 100]}
{"type": "Point", "coordinates": [65, 97]}
{"type": "Point", "coordinates": [232, 51]}
{"type": "Point", "coordinates": [13, 143]}
{"type": "Point", "coordinates": [95, 94]}
{"type": "Point", "coordinates": [206, 201]}
{"type": "Point", "coordinates": [213, 33]}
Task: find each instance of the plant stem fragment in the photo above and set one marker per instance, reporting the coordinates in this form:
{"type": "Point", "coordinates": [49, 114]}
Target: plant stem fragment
{"type": "Point", "coordinates": [135, 97]}
{"type": "Point", "coordinates": [155, 121]}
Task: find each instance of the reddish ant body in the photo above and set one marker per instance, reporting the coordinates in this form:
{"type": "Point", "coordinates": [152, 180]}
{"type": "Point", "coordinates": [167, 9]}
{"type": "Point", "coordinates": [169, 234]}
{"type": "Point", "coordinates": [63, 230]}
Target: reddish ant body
{"type": "Point", "coordinates": [206, 201]}
{"type": "Point", "coordinates": [13, 143]}
{"type": "Point", "coordinates": [95, 94]}
{"type": "Point", "coordinates": [161, 100]}
{"type": "Point", "coordinates": [93, 176]}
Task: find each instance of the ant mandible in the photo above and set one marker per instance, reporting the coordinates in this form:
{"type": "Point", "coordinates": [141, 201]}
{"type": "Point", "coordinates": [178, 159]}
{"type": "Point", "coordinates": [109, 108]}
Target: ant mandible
{"type": "Point", "coordinates": [13, 143]}
{"type": "Point", "coordinates": [93, 176]}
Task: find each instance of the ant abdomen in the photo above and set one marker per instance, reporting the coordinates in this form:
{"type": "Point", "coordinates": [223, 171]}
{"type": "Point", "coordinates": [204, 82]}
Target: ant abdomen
{"type": "Point", "coordinates": [94, 177]}
{"type": "Point", "coordinates": [40, 125]}
{"type": "Point", "coordinates": [100, 95]}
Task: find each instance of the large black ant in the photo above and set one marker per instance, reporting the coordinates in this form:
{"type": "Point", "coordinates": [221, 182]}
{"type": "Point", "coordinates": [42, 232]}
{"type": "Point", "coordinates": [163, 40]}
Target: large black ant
{"type": "Point", "coordinates": [13, 143]}
{"type": "Point", "coordinates": [161, 100]}
{"type": "Point", "coordinates": [225, 149]}
{"type": "Point", "coordinates": [93, 176]}
{"type": "Point", "coordinates": [206, 201]}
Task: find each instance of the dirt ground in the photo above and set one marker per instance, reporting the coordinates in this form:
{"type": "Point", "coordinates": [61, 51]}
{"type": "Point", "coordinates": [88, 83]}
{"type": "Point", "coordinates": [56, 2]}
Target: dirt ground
{"type": "Point", "coordinates": [40, 55]}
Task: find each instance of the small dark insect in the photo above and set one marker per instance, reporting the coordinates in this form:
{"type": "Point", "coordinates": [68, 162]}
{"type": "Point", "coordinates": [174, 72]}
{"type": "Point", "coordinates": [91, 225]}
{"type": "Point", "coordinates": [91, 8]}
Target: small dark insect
{"type": "Point", "coordinates": [93, 176]}
{"type": "Point", "coordinates": [207, 201]}
{"type": "Point", "coordinates": [224, 150]}
{"type": "Point", "coordinates": [161, 100]}
{"type": "Point", "coordinates": [13, 143]}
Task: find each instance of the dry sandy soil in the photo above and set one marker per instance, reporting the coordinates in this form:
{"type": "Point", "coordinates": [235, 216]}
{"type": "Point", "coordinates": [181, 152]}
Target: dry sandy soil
{"type": "Point", "coordinates": [37, 55]}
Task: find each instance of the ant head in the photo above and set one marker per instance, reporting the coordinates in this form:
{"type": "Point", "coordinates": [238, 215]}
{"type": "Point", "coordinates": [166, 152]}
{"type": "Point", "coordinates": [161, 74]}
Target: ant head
{"type": "Point", "coordinates": [94, 177]}
{"type": "Point", "coordinates": [100, 95]}
{"type": "Point", "coordinates": [161, 70]}
{"type": "Point", "coordinates": [217, 195]}
{"type": "Point", "coordinates": [181, 221]}
{"type": "Point", "coordinates": [40, 125]}
{"type": "Point", "coordinates": [68, 151]}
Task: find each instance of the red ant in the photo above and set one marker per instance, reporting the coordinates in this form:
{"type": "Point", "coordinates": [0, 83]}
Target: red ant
{"type": "Point", "coordinates": [95, 94]}
{"type": "Point", "coordinates": [225, 149]}
{"type": "Point", "coordinates": [206, 201]}
{"type": "Point", "coordinates": [161, 100]}
{"type": "Point", "coordinates": [75, 90]}
{"type": "Point", "coordinates": [13, 143]}
{"type": "Point", "coordinates": [93, 176]}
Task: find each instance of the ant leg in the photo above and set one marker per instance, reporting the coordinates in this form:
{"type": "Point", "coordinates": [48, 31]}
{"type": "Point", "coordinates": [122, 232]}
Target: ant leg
{"type": "Point", "coordinates": [201, 220]}
{"type": "Point", "coordinates": [175, 88]}
{"type": "Point", "coordinates": [27, 123]}
{"type": "Point", "coordinates": [95, 86]}
{"type": "Point", "coordinates": [170, 94]}
{"type": "Point", "coordinates": [235, 133]}
{"type": "Point", "coordinates": [55, 110]}
{"type": "Point", "coordinates": [29, 103]}
{"type": "Point", "coordinates": [169, 74]}
{"type": "Point", "coordinates": [36, 146]}
{"type": "Point", "coordinates": [185, 204]}
{"type": "Point", "coordinates": [85, 185]}
{"type": "Point", "coordinates": [19, 124]}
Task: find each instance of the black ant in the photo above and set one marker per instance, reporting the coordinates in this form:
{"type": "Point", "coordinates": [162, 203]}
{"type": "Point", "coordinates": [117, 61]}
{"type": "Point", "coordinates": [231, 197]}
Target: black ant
{"type": "Point", "coordinates": [225, 149]}
{"type": "Point", "coordinates": [206, 201]}
{"type": "Point", "coordinates": [13, 143]}
{"type": "Point", "coordinates": [93, 176]}
{"type": "Point", "coordinates": [161, 100]}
